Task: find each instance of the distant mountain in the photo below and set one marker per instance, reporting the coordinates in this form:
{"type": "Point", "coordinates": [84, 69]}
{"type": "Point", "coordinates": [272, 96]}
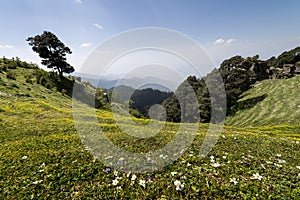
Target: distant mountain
{"type": "Point", "coordinates": [111, 81]}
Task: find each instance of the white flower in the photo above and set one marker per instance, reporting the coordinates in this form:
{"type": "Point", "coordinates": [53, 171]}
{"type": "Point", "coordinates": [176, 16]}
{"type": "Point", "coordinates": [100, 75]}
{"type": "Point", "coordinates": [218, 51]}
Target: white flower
{"type": "Point", "coordinates": [281, 161]}
{"type": "Point", "coordinates": [173, 173]}
{"type": "Point", "coordinates": [233, 180]}
{"type": "Point", "coordinates": [224, 157]}
{"type": "Point", "coordinates": [298, 167]}
{"type": "Point", "coordinates": [115, 182]}
{"type": "Point", "coordinates": [108, 157]}
{"type": "Point", "coordinates": [256, 176]}
{"type": "Point", "coordinates": [188, 164]}
{"type": "Point", "coordinates": [278, 155]}
{"type": "Point", "coordinates": [87, 149]}
{"type": "Point", "coordinates": [43, 165]}
{"type": "Point", "coordinates": [297, 142]}
{"type": "Point", "coordinates": [215, 164]}
{"type": "Point", "coordinates": [24, 157]}
{"type": "Point", "coordinates": [116, 173]}
{"type": "Point", "coordinates": [142, 183]}
{"type": "Point", "coordinates": [212, 157]}
{"type": "Point", "coordinates": [119, 188]}
{"type": "Point", "coordinates": [277, 165]}
{"type": "Point", "coordinates": [179, 185]}
{"type": "Point", "coordinates": [223, 136]}
{"type": "Point", "coordinates": [163, 156]}
{"type": "Point", "coordinates": [37, 182]}
{"type": "Point", "coordinates": [268, 162]}
{"type": "Point", "coordinates": [133, 177]}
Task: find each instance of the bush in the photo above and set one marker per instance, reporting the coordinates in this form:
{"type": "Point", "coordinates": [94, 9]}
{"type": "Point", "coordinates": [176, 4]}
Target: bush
{"type": "Point", "coordinates": [11, 75]}
{"type": "Point", "coordinates": [135, 113]}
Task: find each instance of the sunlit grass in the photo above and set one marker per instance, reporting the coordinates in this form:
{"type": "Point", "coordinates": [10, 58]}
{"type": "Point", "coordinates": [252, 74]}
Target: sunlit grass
{"type": "Point", "coordinates": [42, 157]}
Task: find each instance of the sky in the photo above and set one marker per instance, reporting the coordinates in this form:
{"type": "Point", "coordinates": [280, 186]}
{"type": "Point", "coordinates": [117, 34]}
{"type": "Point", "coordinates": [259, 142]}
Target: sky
{"type": "Point", "coordinates": [222, 28]}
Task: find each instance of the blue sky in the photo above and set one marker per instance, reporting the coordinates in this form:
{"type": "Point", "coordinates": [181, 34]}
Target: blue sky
{"type": "Point", "coordinates": [223, 28]}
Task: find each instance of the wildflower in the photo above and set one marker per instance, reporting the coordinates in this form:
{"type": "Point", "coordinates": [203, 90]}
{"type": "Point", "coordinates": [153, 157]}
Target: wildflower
{"type": "Point", "coordinates": [297, 142]}
{"type": "Point", "coordinates": [116, 173]}
{"type": "Point", "coordinates": [163, 156]}
{"type": "Point", "coordinates": [256, 176]}
{"type": "Point", "coordinates": [277, 165]}
{"type": "Point", "coordinates": [281, 161]}
{"type": "Point", "coordinates": [24, 157]}
{"type": "Point", "coordinates": [133, 177]}
{"type": "Point", "coordinates": [115, 182]}
{"type": "Point", "coordinates": [212, 157]}
{"type": "Point", "coordinates": [179, 185]}
{"type": "Point", "coordinates": [268, 162]}
{"type": "Point", "coordinates": [37, 182]}
{"type": "Point", "coordinates": [224, 157]}
{"type": "Point", "coordinates": [43, 165]}
{"type": "Point", "coordinates": [148, 179]}
{"type": "Point", "coordinates": [233, 180]}
{"type": "Point", "coordinates": [108, 157]}
{"type": "Point", "coordinates": [87, 149]}
{"type": "Point", "coordinates": [173, 173]}
{"type": "Point", "coordinates": [142, 183]}
{"type": "Point", "coordinates": [107, 170]}
{"type": "Point", "coordinates": [119, 162]}
{"type": "Point", "coordinates": [298, 167]}
{"type": "Point", "coordinates": [119, 188]}
{"type": "Point", "coordinates": [188, 164]}
{"type": "Point", "coordinates": [216, 164]}
{"type": "Point", "coordinates": [278, 155]}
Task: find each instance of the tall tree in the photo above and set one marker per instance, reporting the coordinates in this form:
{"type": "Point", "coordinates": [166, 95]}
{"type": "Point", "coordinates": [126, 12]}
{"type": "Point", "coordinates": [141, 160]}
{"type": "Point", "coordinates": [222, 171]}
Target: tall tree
{"type": "Point", "coordinates": [52, 51]}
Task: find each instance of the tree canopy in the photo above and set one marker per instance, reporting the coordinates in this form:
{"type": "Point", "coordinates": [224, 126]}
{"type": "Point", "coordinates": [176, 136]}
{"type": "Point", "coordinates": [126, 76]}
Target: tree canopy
{"type": "Point", "coordinates": [52, 51]}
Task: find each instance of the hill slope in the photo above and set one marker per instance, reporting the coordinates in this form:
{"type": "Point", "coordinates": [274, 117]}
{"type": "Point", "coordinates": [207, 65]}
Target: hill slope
{"type": "Point", "coordinates": [270, 102]}
{"type": "Point", "coordinates": [42, 156]}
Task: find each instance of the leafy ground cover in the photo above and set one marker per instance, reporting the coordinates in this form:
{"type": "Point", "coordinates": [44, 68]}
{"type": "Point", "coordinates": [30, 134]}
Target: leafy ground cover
{"type": "Point", "coordinates": [42, 157]}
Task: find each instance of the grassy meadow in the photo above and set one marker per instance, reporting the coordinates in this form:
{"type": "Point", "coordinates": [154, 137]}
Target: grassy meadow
{"type": "Point", "coordinates": [42, 157]}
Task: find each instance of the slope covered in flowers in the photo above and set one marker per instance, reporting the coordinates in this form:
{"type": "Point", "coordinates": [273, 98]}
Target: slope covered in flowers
{"type": "Point", "coordinates": [41, 156]}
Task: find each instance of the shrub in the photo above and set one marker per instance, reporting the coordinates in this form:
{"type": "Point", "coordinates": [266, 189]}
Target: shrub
{"type": "Point", "coordinates": [11, 75]}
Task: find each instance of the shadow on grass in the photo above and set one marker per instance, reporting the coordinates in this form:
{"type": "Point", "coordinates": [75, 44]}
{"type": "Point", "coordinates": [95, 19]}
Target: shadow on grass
{"type": "Point", "coordinates": [247, 104]}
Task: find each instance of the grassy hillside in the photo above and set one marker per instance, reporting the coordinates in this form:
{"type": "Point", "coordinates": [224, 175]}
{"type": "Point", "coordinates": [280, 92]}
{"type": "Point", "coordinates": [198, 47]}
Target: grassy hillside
{"type": "Point", "coordinates": [42, 157]}
{"type": "Point", "coordinates": [270, 102]}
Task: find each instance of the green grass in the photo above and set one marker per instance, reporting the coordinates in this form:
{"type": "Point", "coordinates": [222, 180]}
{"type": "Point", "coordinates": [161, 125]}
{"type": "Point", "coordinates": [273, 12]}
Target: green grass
{"type": "Point", "coordinates": [42, 157]}
{"type": "Point", "coordinates": [281, 104]}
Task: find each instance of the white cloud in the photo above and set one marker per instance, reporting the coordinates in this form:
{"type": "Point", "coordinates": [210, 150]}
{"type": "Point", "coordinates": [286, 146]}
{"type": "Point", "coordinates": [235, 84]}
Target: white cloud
{"type": "Point", "coordinates": [78, 1]}
{"type": "Point", "coordinates": [84, 45]}
{"type": "Point", "coordinates": [230, 41]}
{"type": "Point", "coordinates": [222, 41]}
{"type": "Point", "coordinates": [219, 41]}
{"type": "Point", "coordinates": [6, 46]}
{"type": "Point", "coordinates": [98, 26]}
